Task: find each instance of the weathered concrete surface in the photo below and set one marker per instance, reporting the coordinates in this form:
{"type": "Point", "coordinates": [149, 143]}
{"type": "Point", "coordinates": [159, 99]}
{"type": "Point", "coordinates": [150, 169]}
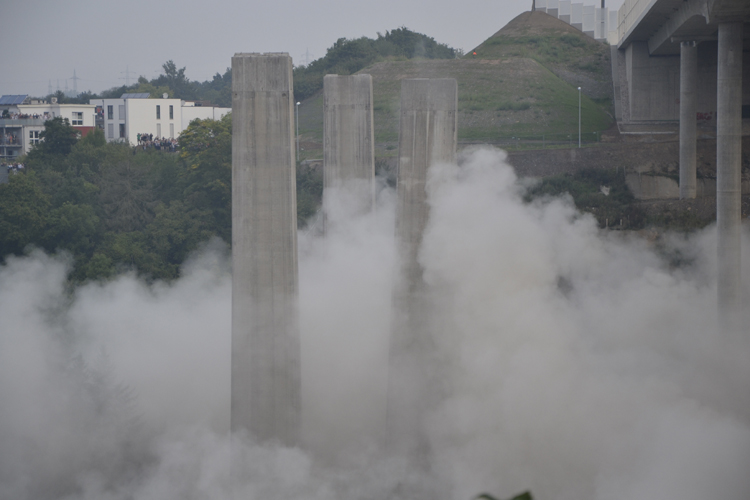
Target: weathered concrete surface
{"type": "Point", "coordinates": [348, 142]}
{"type": "Point", "coordinates": [688, 128]}
{"type": "Point", "coordinates": [644, 160]}
{"type": "Point", "coordinates": [576, 15]}
{"type": "Point", "coordinates": [660, 22]}
{"type": "Point", "coordinates": [729, 171]}
{"type": "Point", "coordinates": [651, 34]}
{"type": "Point", "coordinates": [653, 84]}
{"type": "Point", "coordinates": [647, 89]}
{"type": "Point", "coordinates": [265, 337]}
{"type": "Point", "coordinates": [652, 187]}
{"type": "Point", "coordinates": [428, 132]}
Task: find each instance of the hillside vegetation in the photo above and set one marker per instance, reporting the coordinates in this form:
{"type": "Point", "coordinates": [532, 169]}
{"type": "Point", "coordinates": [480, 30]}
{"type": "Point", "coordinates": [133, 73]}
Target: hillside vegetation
{"type": "Point", "coordinates": [114, 208]}
{"type": "Point", "coordinates": [344, 57]}
{"type": "Point", "coordinates": [347, 57]}
{"type": "Point", "coordinates": [521, 82]}
{"type": "Point", "coordinates": [574, 57]}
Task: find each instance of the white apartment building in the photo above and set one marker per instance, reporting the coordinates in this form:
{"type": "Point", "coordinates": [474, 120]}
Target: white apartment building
{"type": "Point", "coordinates": [192, 110]}
{"type": "Point", "coordinates": [24, 119]}
{"type": "Point", "coordinates": [132, 114]}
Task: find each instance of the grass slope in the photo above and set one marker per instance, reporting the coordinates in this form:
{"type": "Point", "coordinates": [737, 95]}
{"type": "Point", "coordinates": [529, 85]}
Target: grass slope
{"type": "Point", "coordinates": [522, 82]}
{"type": "Point", "coordinates": [574, 57]}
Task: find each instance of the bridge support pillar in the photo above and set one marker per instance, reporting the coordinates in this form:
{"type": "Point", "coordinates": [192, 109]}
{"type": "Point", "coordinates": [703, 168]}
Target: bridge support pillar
{"type": "Point", "coordinates": [427, 136]}
{"type": "Point", "coordinates": [688, 84]}
{"type": "Point", "coordinates": [348, 144]}
{"type": "Point", "coordinates": [265, 333]}
{"type": "Point", "coordinates": [728, 171]}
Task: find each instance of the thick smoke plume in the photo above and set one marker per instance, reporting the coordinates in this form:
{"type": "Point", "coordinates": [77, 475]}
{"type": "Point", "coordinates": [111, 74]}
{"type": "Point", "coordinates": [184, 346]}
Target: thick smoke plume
{"type": "Point", "coordinates": [578, 363]}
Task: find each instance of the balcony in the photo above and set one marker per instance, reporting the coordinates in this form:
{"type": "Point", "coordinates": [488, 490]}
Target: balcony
{"type": "Point", "coordinates": [21, 122]}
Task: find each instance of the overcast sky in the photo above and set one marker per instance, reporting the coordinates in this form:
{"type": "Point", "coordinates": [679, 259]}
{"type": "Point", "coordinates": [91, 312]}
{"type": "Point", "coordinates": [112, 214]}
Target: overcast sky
{"type": "Point", "coordinates": [45, 40]}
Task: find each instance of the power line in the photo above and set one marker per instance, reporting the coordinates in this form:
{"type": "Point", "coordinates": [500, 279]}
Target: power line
{"type": "Point", "coordinates": [75, 82]}
{"type": "Point", "coordinates": [307, 57]}
{"type": "Point", "coordinates": [127, 75]}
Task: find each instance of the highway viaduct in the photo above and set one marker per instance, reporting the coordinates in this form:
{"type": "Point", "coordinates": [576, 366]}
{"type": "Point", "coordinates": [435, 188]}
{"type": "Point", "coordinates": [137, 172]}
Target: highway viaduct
{"type": "Point", "coordinates": [688, 62]}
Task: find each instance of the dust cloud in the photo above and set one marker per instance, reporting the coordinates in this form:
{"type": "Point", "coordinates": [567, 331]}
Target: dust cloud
{"type": "Point", "coordinates": [578, 364]}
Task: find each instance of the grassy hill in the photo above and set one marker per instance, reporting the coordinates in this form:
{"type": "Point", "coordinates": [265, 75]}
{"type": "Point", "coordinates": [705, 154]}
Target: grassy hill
{"type": "Point", "coordinates": [575, 58]}
{"type": "Point", "coordinates": [522, 82]}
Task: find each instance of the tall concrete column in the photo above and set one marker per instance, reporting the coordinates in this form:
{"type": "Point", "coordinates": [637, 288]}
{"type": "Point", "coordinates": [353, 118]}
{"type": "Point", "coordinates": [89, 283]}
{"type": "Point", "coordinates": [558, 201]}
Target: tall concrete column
{"type": "Point", "coordinates": [729, 170]}
{"type": "Point", "coordinates": [348, 142]}
{"type": "Point", "coordinates": [428, 131]}
{"type": "Point", "coordinates": [688, 127]}
{"type": "Point", "coordinates": [265, 337]}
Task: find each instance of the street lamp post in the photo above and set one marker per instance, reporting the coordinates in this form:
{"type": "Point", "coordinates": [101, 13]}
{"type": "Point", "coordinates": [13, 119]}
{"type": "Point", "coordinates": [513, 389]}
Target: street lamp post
{"type": "Point", "coordinates": [579, 117]}
{"type": "Point", "coordinates": [297, 119]}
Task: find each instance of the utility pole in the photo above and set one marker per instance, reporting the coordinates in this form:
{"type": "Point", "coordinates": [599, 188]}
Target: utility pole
{"type": "Point", "coordinates": [579, 116]}
{"type": "Point", "coordinates": [306, 57]}
{"type": "Point", "coordinates": [297, 116]}
{"type": "Point", "coordinates": [127, 75]}
{"type": "Point", "coordinates": [75, 82]}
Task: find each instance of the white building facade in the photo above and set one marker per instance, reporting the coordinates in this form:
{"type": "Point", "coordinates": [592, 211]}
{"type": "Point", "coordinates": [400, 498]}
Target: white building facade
{"type": "Point", "coordinates": [124, 118]}
{"type": "Point", "coordinates": [190, 112]}
{"type": "Point", "coordinates": [24, 121]}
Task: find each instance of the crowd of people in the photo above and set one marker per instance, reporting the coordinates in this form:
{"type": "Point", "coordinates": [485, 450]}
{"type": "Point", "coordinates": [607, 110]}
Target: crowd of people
{"type": "Point", "coordinates": [10, 138]}
{"type": "Point", "coordinates": [14, 167]}
{"type": "Point", "coordinates": [23, 116]}
{"type": "Point", "coordinates": [158, 143]}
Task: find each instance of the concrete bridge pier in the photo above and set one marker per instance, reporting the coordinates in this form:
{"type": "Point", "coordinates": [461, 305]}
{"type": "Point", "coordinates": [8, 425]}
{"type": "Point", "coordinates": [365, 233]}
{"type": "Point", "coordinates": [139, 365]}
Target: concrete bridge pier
{"type": "Point", "coordinates": [348, 144]}
{"type": "Point", "coordinates": [729, 171]}
{"type": "Point", "coordinates": [427, 136]}
{"type": "Point", "coordinates": [265, 400]}
{"type": "Point", "coordinates": [688, 127]}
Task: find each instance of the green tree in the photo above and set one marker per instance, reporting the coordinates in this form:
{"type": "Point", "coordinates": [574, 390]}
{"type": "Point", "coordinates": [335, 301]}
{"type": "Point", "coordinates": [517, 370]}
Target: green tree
{"type": "Point", "coordinates": [125, 195]}
{"type": "Point", "coordinates": [176, 80]}
{"type": "Point", "coordinates": [176, 231]}
{"type": "Point", "coordinates": [72, 227]}
{"type": "Point", "coordinates": [23, 213]}
{"type": "Point", "coordinates": [346, 57]}
{"type": "Point", "coordinates": [206, 149]}
{"type": "Point", "coordinates": [309, 193]}
{"type": "Point", "coordinates": [130, 251]}
{"type": "Point", "coordinates": [60, 96]}
{"type": "Point", "coordinates": [95, 138]}
{"type": "Point", "coordinates": [58, 138]}
{"type": "Point", "coordinates": [98, 267]}
{"type": "Point", "coordinates": [156, 92]}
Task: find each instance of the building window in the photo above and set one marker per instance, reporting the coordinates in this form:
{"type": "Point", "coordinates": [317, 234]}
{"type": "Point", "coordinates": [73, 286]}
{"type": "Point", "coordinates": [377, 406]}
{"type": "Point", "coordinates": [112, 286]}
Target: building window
{"type": "Point", "coordinates": [158, 129]}
{"type": "Point", "coordinates": [110, 113]}
{"type": "Point", "coordinates": [122, 130]}
{"type": "Point", "coordinates": [121, 111]}
{"type": "Point", "coordinates": [77, 118]}
{"type": "Point", "coordinates": [171, 112]}
{"type": "Point", "coordinates": [158, 113]}
{"type": "Point", "coordinates": [171, 130]}
{"type": "Point", "coordinates": [110, 130]}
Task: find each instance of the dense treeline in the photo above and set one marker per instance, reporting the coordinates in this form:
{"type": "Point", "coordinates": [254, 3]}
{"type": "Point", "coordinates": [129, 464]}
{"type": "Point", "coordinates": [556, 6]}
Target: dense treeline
{"type": "Point", "coordinates": [114, 208]}
{"type": "Point", "coordinates": [343, 58]}
{"type": "Point", "coordinates": [346, 57]}
{"type": "Point", "coordinates": [172, 81]}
